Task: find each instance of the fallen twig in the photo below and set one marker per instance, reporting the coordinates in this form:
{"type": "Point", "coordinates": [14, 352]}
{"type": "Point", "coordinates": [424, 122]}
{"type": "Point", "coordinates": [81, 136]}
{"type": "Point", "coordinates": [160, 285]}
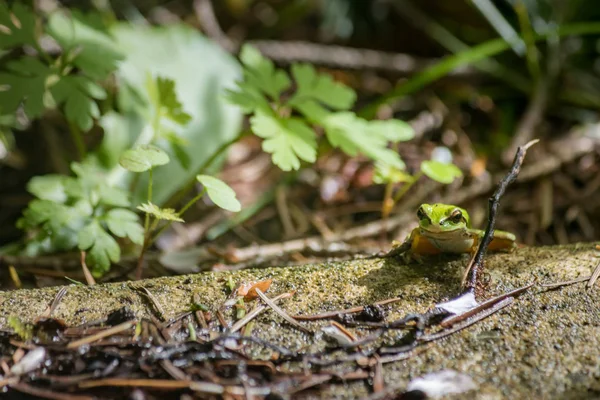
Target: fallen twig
{"type": "Point", "coordinates": [332, 314]}
{"type": "Point", "coordinates": [101, 335]}
{"type": "Point", "coordinates": [485, 305]}
{"type": "Point", "coordinates": [255, 312]}
{"type": "Point", "coordinates": [282, 313]}
{"type": "Point", "coordinates": [460, 326]}
{"type": "Point", "coordinates": [555, 285]}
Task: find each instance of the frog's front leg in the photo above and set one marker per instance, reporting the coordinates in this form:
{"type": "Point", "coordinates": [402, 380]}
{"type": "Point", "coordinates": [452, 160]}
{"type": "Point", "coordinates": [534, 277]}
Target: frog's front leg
{"type": "Point", "coordinates": [413, 247]}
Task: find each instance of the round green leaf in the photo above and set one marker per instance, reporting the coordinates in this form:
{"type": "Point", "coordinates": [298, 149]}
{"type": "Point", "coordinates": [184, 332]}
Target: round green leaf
{"type": "Point", "coordinates": [440, 172]}
{"type": "Point", "coordinates": [143, 158]}
{"type": "Point", "coordinates": [220, 193]}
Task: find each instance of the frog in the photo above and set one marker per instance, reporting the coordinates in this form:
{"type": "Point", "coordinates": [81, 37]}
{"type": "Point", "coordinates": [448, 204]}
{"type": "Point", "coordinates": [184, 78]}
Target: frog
{"type": "Point", "coordinates": [446, 228]}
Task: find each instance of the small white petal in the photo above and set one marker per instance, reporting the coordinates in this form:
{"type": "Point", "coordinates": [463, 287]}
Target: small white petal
{"type": "Point", "coordinates": [442, 383]}
{"type": "Point", "coordinates": [460, 304]}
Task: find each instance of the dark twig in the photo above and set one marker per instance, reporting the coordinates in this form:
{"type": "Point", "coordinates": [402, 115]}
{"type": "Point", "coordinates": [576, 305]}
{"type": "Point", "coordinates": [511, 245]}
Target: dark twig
{"type": "Point", "coordinates": [465, 324]}
{"type": "Point", "coordinates": [332, 314]}
{"type": "Point", "coordinates": [476, 264]}
{"type": "Point", "coordinates": [484, 306]}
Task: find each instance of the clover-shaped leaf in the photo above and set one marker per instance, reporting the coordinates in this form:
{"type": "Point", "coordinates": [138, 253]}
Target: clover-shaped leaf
{"type": "Point", "coordinates": [220, 193]}
{"type": "Point", "coordinates": [142, 158]}
{"type": "Point", "coordinates": [440, 172]}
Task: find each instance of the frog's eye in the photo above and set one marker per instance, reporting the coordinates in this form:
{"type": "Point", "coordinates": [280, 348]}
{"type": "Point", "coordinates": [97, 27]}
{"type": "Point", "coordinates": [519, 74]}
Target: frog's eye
{"type": "Point", "coordinates": [456, 216]}
{"type": "Point", "coordinates": [421, 213]}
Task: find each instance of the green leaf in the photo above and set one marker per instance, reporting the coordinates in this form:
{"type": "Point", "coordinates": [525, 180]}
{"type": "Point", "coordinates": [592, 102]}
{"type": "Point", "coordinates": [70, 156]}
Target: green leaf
{"type": "Point", "coordinates": [167, 214]}
{"type": "Point", "coordinates": [78, 94]}
{"type": "Point", "coordinates": [85, 39]}
{"type": "Point", "coordinates": [248, 98]}
{"type": "Point", "coordinates": [125, 223]}
{"type": "Point", "coordinates": [353, 135]}
{"type": "Point", "coordinates": [115, 141]}
{"type": "Point", "coordinates": [39, 211]}
{"type": "Point", "coordinates": [26, 83]}
{"type": "Point", "coordinates": [440, 172]}
{"type": "Point", "coordinates": [49, 187]}
{"type": "Point", "coordinates": [220, 193]}
{"type": "Point", "coordinates": [101, 248]}
{"type": "Point", "coordinates": [313, 111]}
{"type": "Point", "coordinates": [201, 71]}
{"type": "Point", "coordinates": [261, 74]}
{"type": "Point", "coordinates": [385, 173]}
{"type": "Point", "coordinates": [320, 87]}
{"type": "Point", "coordinates": [142, 158]}
{"type": "Point", "coordinates": [17, 26]}
{"type": "Point", "coordinates": [164, 98]}
{"type": "Point", "coordinates": [92, 184]}
{"type": "Point", "coordinates": [394, 130]}
{"type": "Point", "coordinates": [113, 196]}
{"type": "Point", "coordinates": [288, 140]}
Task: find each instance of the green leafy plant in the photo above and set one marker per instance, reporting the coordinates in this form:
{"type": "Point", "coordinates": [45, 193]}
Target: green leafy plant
{"type": "Point", "coordinates": [438, 171]}
{"type": "Point", "coordinates": [287, 115]}
{"type": "Point", "coordinates": [145, 158]}
{"type": "Point", "coordinates": [287, 118]}
{"type": "Point", "coordinates": [67, 80]}
{"type": "Point", "coordinates": [81, 212]}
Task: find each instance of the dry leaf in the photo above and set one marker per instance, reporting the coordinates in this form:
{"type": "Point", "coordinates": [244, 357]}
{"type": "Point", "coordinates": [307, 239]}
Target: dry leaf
{"type": "Point", "coordinates": [249, 290]}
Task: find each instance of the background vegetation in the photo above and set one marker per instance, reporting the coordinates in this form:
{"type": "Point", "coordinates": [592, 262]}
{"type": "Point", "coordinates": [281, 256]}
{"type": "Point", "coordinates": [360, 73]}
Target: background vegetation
{"type": "Point", "coordinates": [150, 138]}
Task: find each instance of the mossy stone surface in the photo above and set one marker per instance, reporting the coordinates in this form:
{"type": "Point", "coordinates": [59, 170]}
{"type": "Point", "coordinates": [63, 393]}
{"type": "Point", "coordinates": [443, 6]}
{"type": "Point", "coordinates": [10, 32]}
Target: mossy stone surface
{"type": "Point", "coordinates": [546, 345]}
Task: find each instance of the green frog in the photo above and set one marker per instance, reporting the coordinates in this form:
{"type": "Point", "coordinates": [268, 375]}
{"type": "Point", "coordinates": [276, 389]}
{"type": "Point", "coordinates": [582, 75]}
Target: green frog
{"type": "Point", "coordinates": [445, 228]}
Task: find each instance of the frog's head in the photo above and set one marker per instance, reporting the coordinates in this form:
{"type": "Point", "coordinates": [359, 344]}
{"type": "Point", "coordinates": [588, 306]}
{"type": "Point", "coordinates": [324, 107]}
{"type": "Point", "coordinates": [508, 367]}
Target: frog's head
{"type": "Point", "coordinates": [440, 218]}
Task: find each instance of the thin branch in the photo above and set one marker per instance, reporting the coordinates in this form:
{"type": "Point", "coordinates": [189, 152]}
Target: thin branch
{"type": "Point", "coordinates": [476, 263]}
{"type": "Point", "coordinates": [459, 327]}
{"type": "Point", "coordinates": [255, 312]}
{"type": "Point", "coordinates": [281, 313]}
{"type": "Point", "coordinates": [101, 335]}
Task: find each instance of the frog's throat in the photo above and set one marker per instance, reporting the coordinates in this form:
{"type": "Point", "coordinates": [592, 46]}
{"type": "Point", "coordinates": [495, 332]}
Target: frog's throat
{"type": "Point", "coordinates": [459, 233]}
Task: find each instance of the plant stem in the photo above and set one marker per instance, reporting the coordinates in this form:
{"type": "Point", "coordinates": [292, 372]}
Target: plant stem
{"type": "Point", "coordinates": [78, 140]}
{"type": "Point", "coordinates": [387, 198]}
{"type": "Point", "coordinates": [202, 169]}
{"type": "Point", "coordinates": [191, 202]}
{"type": "Point", "coordinates": [147, 231]}
{"type": "Point", "coordinates": [407, 186]}
{"type": "Point", "coordinates": [180, 213]}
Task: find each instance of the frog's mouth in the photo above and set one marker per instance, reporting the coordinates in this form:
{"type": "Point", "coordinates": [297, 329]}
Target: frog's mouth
{"type": "Point", "coordinates": [436, 232]}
